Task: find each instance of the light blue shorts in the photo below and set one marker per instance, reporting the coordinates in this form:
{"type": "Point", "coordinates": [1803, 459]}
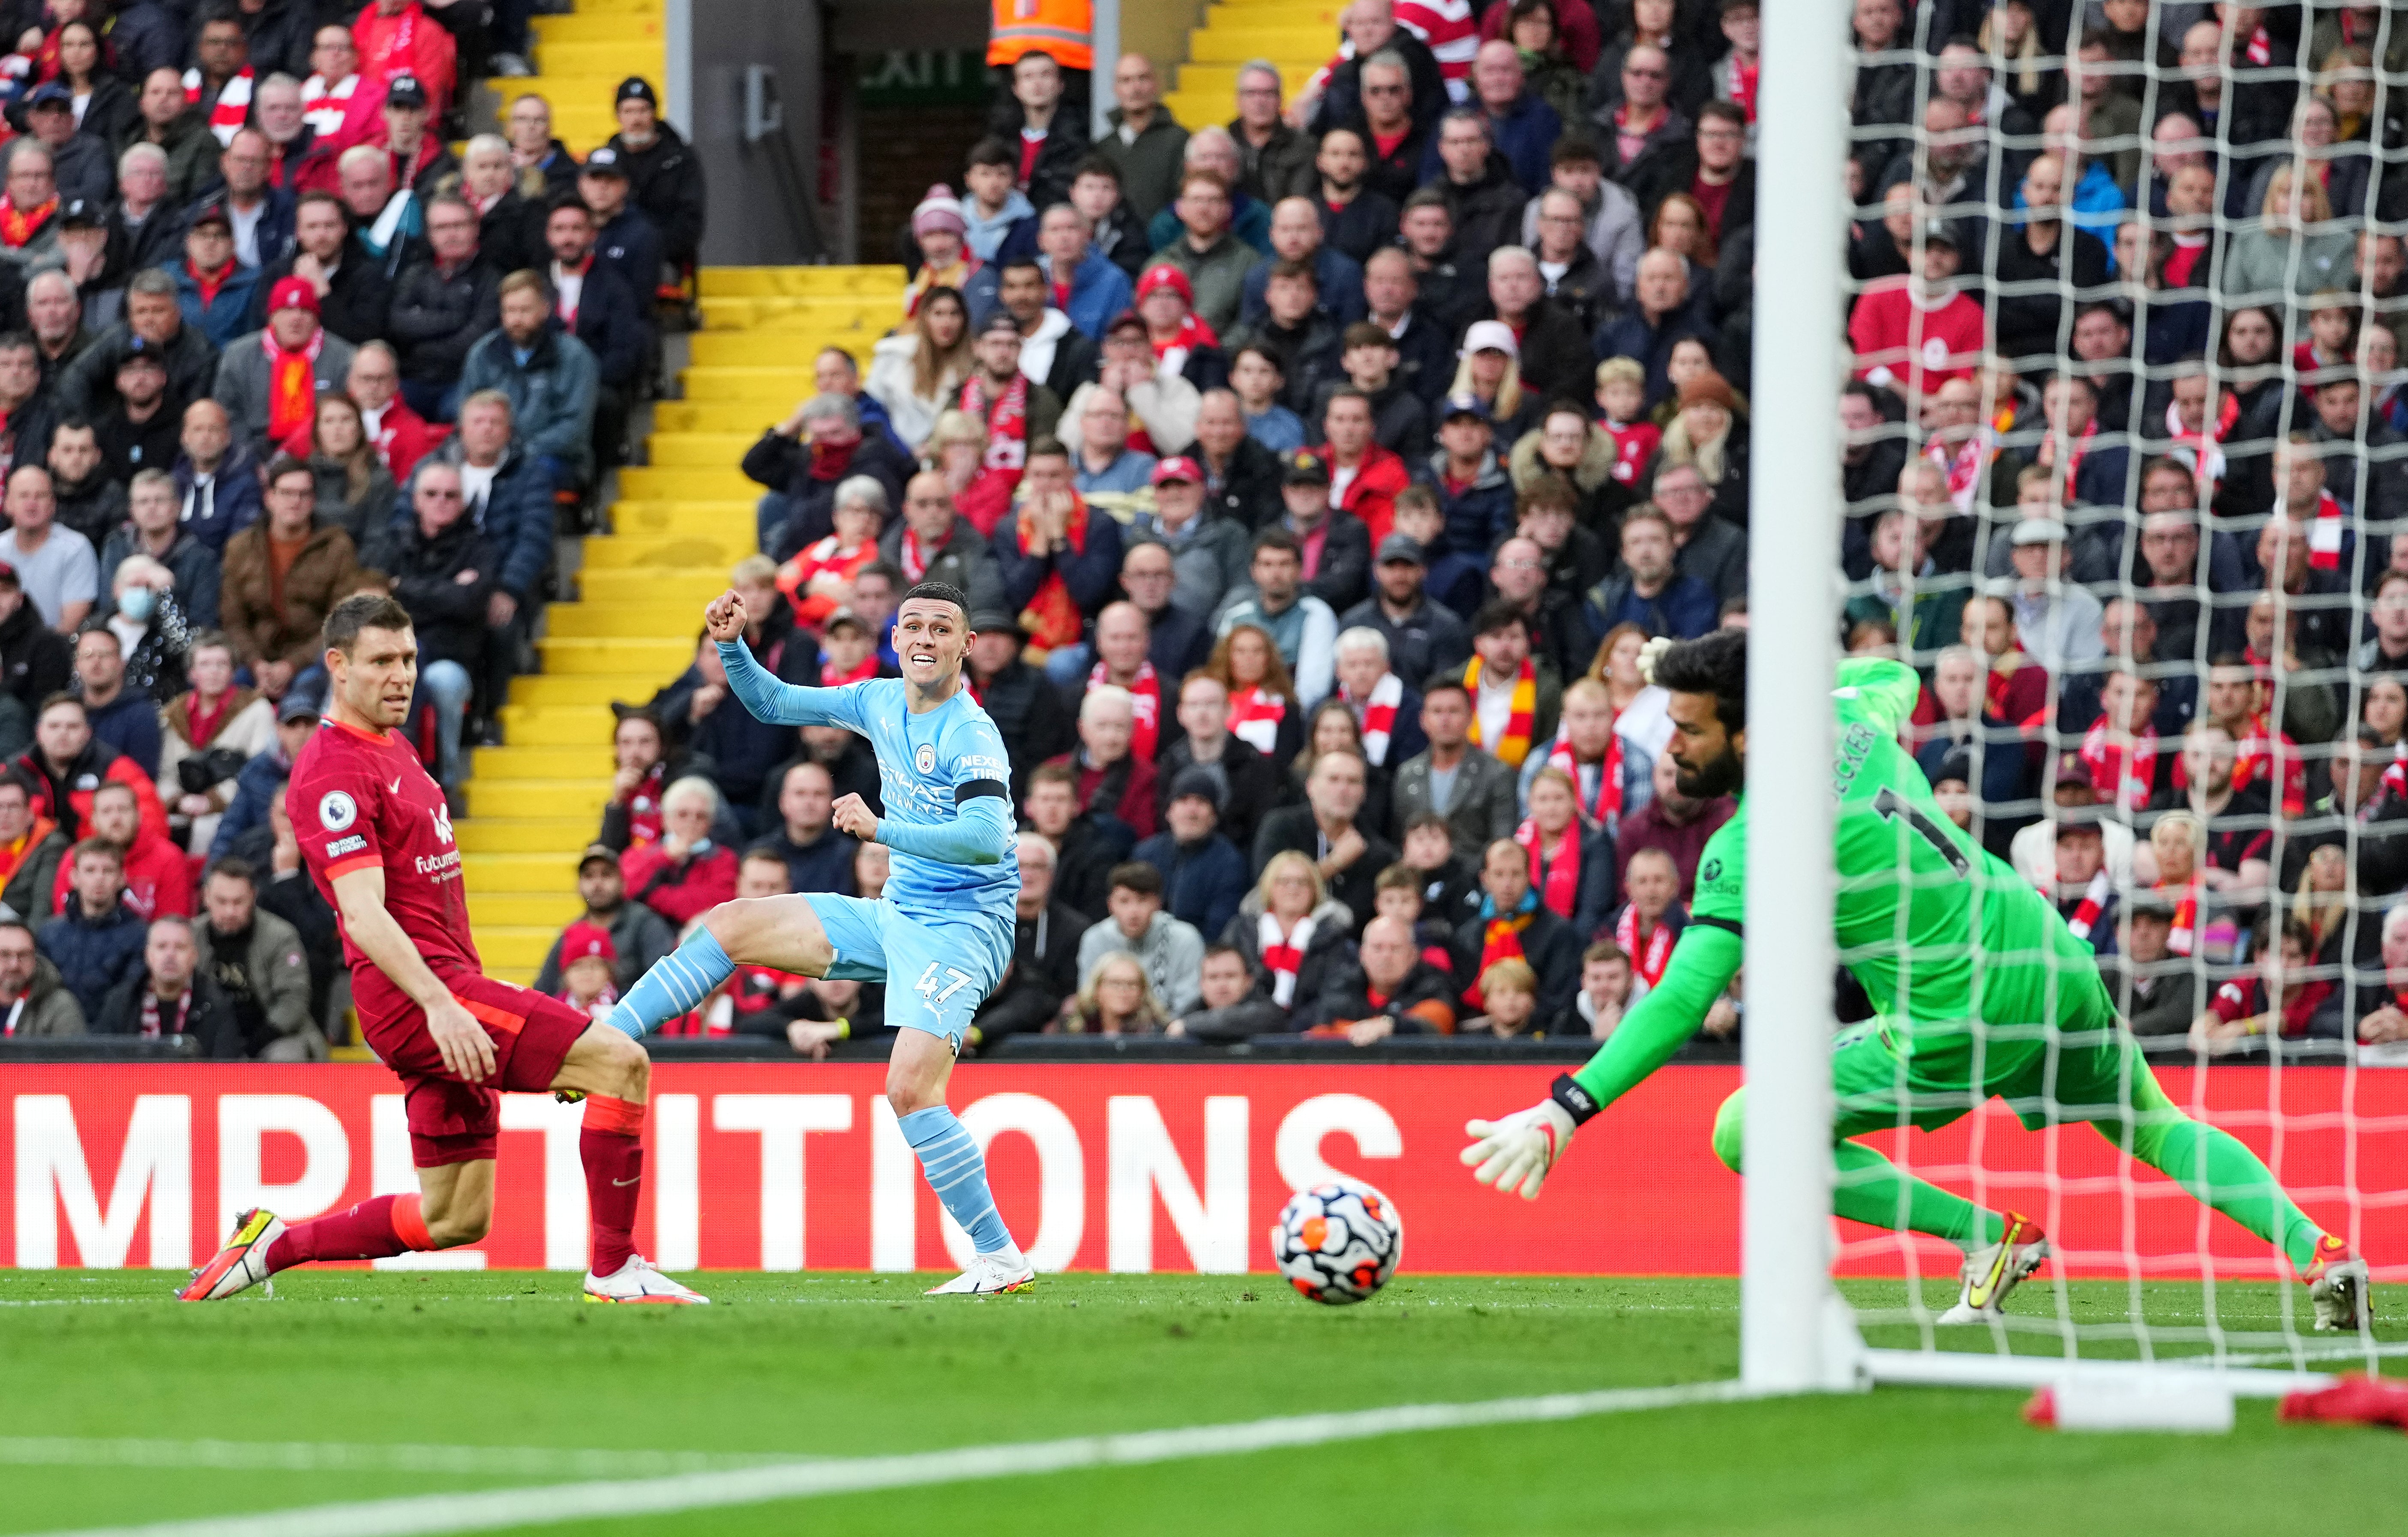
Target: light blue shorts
{"type": "Point", "coordinates": [937, 974]}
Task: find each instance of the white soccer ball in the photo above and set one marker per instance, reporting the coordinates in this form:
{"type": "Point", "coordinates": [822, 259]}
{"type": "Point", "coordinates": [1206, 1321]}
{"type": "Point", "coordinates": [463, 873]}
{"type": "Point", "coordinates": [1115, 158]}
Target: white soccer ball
{"type": "Point", "coordinates": [1337, 1242]}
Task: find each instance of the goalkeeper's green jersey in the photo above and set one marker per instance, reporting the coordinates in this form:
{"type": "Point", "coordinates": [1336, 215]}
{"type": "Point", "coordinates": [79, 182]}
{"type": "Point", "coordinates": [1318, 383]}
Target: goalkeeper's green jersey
{"type": "Point", "coordinates": [1940, 933]}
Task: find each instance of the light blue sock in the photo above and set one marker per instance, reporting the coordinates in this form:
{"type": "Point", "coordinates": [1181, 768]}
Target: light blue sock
{"type": "Point", "coordinates": [682, 979]}
{"type": "Point", "coordinates": [956, 1171]}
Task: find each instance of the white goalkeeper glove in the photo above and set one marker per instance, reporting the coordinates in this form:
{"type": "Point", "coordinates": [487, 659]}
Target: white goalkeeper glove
{"type": "Point", "coordinates": [1516, 1154]}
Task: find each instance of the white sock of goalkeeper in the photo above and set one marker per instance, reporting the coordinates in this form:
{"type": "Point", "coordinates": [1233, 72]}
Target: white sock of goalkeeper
{"type": "Point", "coordinates": [956, 1171]}
{"type": "Point", "coordinates": [682, 979]}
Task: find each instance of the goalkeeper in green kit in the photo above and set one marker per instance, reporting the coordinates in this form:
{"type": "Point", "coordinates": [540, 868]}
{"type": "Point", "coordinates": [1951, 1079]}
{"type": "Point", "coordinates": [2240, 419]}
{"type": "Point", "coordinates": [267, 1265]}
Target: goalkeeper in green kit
{"type": "Point", "coordinates": [1978, 987]}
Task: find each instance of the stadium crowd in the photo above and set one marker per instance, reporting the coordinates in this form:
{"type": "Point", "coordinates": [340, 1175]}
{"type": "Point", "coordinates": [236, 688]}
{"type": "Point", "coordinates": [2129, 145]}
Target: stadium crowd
{"type": "Point", "coordinates": [1317, 480]}
{"type": "Point", "coordinates": [266, 342]}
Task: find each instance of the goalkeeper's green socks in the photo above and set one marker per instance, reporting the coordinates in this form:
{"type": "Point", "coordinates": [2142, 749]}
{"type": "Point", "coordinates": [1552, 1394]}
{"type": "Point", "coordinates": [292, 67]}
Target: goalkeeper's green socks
{"type": "Point", "coordinates": [1874, 1191]}
{"type": "Point", "coordinates": [2217, 1168]}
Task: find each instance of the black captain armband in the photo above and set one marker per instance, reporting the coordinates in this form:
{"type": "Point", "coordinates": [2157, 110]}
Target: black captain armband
{"type": "Point", "coordinates": [1577, 1102]}
{"type": "Point", "coordinates": [964, 793]}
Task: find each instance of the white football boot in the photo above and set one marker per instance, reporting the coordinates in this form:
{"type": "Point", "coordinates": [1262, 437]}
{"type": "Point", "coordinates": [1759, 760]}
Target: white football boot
{"type": "Point", "coordinates": [1005, 1270]}
{"type": "Point", "coordinates": [2337, 1281]}
{"type": "Point", "coordinates": [1991, 1273]}
{"type": "Point", "coordinates": [637, 1282]}
{"type": "Point", "coordinates": [239, 1266]}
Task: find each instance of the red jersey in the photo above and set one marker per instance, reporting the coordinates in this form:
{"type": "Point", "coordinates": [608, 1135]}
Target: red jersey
{"type": "Point", "coordinates": [358, 799]}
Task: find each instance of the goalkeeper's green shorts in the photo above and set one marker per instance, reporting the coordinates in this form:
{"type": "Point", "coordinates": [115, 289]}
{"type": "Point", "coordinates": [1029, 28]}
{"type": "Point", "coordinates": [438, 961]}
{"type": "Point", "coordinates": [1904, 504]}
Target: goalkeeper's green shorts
{"type": "Point", "coordinates": [2080, 1066]}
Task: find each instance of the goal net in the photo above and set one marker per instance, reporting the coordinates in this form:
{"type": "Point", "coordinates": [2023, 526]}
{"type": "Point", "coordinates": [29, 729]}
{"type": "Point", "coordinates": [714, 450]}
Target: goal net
{"type": "Point", "coordinates": [2118, 373]}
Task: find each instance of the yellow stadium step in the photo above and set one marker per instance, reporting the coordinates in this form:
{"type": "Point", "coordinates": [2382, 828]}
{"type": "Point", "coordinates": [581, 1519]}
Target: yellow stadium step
{"type": "Point", "coordinates": [699, 585]}
{"type": "Point", "coordinates": [508, 871]}
{"type": "Point", "coordinates": [568, 725]}
{"type": "Point", "coordinates": [711, 416]}
{"type": "Point", "coordinates": [538, 689]}
{"type": "Point", "coordinates": [714, 550]}
{"type": "Point", "coordinates": [617, 655]}
{"type": "Point", "coordinates": [1323, 14]}
{"type": "Point", "coordinates": [775, 390]}
{"type": "Point", "coordinates": [598, 621]}
{"type": "Point", "coordinates": [631, 519]}
{"type": "Point", "coordinates": [515, 954]}
{"type": "Point", "coordinates": [619, 57]}
{"type": "Point", "coordinates": [565, 836]}
{"type": "Point", "coordinates": [500, 762]}
{"type": "Point", "coordinates": [770, 348]}
{"type": "Point", "coordinates": [726, 485]}
{"type": "Point", "coordinates": [586, 27]}
{"type": "Point", "coordinates": [538, 797]}
{"type": "Point", "coordinates": [699, 449]}
{"type": "Point", "coordinates": [552, 908]}
{"type": "Point", "coordinates": [780, 318]}
{"type": "Point", "coordinates": [727, 283]}
{"type": "Point", "coordinates": [1224, 39]}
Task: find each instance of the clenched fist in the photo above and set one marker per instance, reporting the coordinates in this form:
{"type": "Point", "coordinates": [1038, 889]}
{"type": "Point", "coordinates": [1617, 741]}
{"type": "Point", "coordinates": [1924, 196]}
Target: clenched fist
{"type": "Point", "coordinates": [725, 618]}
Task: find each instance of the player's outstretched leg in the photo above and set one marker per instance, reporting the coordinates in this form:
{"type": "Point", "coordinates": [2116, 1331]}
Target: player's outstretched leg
{"type": "Point", "coordinates": [779, 931]}
{"type": "Point", "coordinates": [955, 1168]}
{"type": "Point", "coordinates": [262, 1244]}
{"type": "Point", "coordinates": [2128, 1107]}
{"type": "Point", "coordinates": [615, 1076]}
{"type": "Point", "coordinates": [2001, 1249]}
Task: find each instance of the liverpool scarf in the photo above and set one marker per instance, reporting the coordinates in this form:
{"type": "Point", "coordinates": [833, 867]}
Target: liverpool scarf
{"type": "Point", "coordinates": [1500, 938]}
{"type": "Point", "coordinates": [2124, 775]}
{"type": "Point", "coordinates": [1284, 954]}
{"type": "Point", "coordinates": [292, 383]}
{"type": "Point", "coordinates": [232, 106]}
{"type": "Point", "coordinates": [1605, 807]}
{"type": "Point", "coordinates": [2185, 933]}
{"type": "Point", "coordinates": [2094, 902]}
{"type": "Point", "coordinates": [1554, 872]}
{"type": "Point", "coordinates": [1170, 353]}
{"type": "Point", "coordinates": [19, 226]}
{"type": "Point", "coordinates": [1514, 745]}
{"type": "Point", "coordinates": [1647, 962]}
{"type": "Point", "coordinates": [1255, 716]}
{"type": "Point", "coordinates": [1145, 730]}
{"type": "Point", "coordinates": [2324, 534]}
{"type": "Point", "coordinates": [1052, 618]}
{"type": "Point", "coordinates": [831, 678]}
{"type": "Point", "coordinates": [1378, 716]}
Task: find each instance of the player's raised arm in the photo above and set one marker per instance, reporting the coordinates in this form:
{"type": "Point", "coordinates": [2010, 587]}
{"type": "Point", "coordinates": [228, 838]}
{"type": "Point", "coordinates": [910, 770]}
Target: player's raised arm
{"type": "Point", "coordinates": [1515, 1153]}
{"type": "Point", "coordinates": [765, 696]}
{"type": "Point", "coordinates": [1884, 690]}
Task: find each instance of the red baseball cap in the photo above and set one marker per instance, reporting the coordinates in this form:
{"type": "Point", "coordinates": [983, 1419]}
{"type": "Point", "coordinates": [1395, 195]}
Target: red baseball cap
{"type": "Point", "coordinates": [1178, 468]}
{"type": "Point", "coordinates": [1164, 275]}
{"type": "Point", "coordinates": [587, 941]}
{"type": "Point", "coordinates": [293, 293]}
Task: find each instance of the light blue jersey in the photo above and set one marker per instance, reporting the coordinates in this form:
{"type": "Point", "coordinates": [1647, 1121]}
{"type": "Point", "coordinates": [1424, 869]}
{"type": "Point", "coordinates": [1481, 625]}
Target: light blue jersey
{"type": "Point", "coordinates": [945, 771]}
{"type": "Point", "coordinates": [943, 929]}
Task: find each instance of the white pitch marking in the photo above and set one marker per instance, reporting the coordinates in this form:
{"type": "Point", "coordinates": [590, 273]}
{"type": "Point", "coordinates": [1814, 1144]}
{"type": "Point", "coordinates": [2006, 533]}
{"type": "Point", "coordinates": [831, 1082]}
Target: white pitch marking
{"type": "Point", "coordinates": [422, 1515]}
{"type": "Point", "coordinates": [364, 1456]}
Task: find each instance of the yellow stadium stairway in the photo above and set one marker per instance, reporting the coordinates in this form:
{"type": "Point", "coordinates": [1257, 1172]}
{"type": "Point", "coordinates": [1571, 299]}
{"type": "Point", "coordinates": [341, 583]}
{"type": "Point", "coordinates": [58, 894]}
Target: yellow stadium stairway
{"type": "Point", "coordinates": [681, 521]}
{"type": "Point", "coordinates": [1297, 39]}
{"type": "Point", "coordinates": [580, 60]}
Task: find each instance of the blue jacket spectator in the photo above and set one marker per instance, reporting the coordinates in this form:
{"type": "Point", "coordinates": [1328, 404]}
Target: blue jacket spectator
{"type": "Point", "coordinates": [222, 309]}
{"type": "Point", "coordinates": [1525, 134]}
{"type": "Point", "coordinates": [1479, 512]}
{"type": "Point", "coordinates": [1649, 337]}
{"type": "Point", "coordinates": [93, 955]}
{"type": "Point", "coordinates": [225, 500]}
{"type": "Point", "coordinates": [1683, 608]}
{"type": "Point", "coordinates": [130, 724]}
{"type": "Point", "coordinates": [1202, 882]}
{"type": "Point", "coordinates": [552, 382]}
{"type": "Point", "coordinates": [1098, 291]}
{"type": "Point", "coordinates": [630, 245]}
{"type": "Point", "coordinates": [254, 788]}
{"type": "Point", "coordinates": [516, 512]}
{"type": "Point", "coordinates": [615, 328]}
{"type": "Point", "coordinates": [1250, 220]}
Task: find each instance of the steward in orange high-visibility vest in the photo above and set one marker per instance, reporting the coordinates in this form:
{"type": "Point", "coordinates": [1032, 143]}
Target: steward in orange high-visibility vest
{"type": "Point", "coordinates": [1062, 28]}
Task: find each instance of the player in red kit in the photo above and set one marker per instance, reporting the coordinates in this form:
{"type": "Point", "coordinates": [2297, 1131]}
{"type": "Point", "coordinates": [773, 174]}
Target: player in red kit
{"type": "Point", "coordinates": [377, 836]}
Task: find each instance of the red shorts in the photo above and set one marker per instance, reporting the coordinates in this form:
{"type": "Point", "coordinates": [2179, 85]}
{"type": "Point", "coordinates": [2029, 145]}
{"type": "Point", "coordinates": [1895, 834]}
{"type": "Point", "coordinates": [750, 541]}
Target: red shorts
{"type": "Point", "coordinates": [454, 1121]}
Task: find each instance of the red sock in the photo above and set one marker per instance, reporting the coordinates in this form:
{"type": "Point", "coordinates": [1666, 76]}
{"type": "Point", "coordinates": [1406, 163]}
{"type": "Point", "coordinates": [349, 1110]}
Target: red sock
{"type": "Point", "coordinates": [612, 1146]}
{"type": "Point", "coordinates": [381, 1226]}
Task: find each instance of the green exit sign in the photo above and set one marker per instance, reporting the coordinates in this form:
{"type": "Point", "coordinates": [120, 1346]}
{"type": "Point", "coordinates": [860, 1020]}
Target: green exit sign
{"type": "Point", "coordinates": [923, 77]}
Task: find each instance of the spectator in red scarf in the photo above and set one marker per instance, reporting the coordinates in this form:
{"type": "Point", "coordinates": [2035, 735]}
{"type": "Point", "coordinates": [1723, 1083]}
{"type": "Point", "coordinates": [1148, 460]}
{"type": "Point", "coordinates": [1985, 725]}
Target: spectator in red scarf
{"type": "Point", "coordinates": [398, 37]}
{"type": "Point", "coordinates": [1512, 923]}
{"type": "Point", "coordinates": [269, 382]}
{"type": "Point", "coordinates": [803, 459]}
{"type": "Point", "coordinates": [1112, 781]}
{"type": "Point", "coordinates": [684, 873]}
{"type": "Point", "coordinates": [1571, 860]}
{"type": "Point", "coordinates": [401, 435]}
{"type": "Point", "coordinates": [1058, 560]}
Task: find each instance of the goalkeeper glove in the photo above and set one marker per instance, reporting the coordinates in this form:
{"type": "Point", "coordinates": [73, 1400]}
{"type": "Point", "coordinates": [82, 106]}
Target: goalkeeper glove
{"type": "Point", "coordinates": [1516, 1154]}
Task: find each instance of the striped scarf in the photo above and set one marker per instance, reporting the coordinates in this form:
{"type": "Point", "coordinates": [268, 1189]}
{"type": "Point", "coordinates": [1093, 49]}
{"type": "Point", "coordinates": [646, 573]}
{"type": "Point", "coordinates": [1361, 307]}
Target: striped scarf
{"type": "Point", "coordinates": [1556, 872]}
{"type": "Point", "coordinates": [324, 107]}
{"type": "Point", "coordinates": [1378, 715]}
{"type": "Point", "coordinates": [2324, 534]}
{"type": "Point", "coordinates": [1284, 955]}
{"type": "Point", "coordinates": [2126, 775]}
{"type": "Point", "coordinates": [1647, 965]}
{"type": "Point", "coordinates": [232, 108]}
{"type": "Point", "coordinates": [1145, 727]}
{"type": "Point", "coordinates": [2185, 933]}
{"type": "Point", "coordinates": [1606, 808]}
{"type": "Point", "coordinates": [1500, 938]}
{"type": "Point", "coordinates": [2094, 902]}
{"type": "Point", "coordinates": [1255, 716]}
{"type": "Point", "coordinates": [1514, 745]}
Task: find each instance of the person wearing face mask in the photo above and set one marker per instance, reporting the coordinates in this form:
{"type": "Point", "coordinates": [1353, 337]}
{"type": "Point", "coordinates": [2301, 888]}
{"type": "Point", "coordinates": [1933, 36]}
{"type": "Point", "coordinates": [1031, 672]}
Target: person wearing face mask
{"type": "Point", "coordinates": [152, 632]}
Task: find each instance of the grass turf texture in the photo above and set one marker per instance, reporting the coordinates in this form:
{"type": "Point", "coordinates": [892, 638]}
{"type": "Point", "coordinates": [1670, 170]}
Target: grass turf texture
{"type": "Point", "coordinates": [852, 1365]}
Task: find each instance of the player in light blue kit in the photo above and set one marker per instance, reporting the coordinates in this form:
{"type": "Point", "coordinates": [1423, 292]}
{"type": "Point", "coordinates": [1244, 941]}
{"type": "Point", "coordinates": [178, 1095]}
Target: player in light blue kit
{"type": "Point", "coordinates": [941, 935]}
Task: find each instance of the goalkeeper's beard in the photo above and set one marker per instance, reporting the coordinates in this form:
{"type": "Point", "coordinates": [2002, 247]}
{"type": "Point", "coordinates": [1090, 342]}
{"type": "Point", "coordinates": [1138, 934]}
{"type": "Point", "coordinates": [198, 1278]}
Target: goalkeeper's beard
{"type": "Point", "coordinates": [1722, 776]}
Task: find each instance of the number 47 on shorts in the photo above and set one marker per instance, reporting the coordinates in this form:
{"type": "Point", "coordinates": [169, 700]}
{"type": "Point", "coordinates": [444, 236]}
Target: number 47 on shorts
{"type": "Point", "coordinates": [936, 991]}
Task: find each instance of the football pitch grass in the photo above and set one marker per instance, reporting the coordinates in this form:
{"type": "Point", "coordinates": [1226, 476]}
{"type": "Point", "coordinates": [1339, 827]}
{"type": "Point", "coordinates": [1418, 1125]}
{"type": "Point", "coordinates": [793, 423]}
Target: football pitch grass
{"type": "Point", "coordinates": [123, 1408]}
